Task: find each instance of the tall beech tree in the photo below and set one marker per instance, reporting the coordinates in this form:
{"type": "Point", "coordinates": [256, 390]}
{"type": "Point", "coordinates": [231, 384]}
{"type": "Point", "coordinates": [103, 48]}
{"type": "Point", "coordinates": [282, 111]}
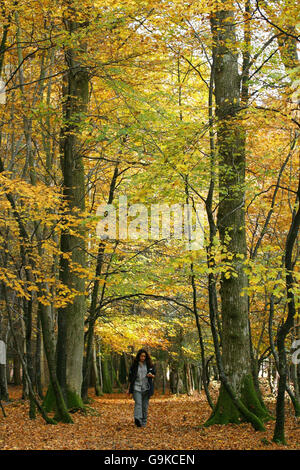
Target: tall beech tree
{"type": "Point", "coordinates": [75, 90]}
{"type": "Point", "coordinates": [231, 225]}
{"type": "Point", "coordinates": [286, 326]}
{"type": "Point", "coordinates": [289, 55]}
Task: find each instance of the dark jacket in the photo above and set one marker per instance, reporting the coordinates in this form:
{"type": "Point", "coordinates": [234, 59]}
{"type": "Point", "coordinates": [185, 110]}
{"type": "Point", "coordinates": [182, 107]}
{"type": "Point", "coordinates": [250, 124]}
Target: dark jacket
{"type": "Point", "coordinates": [132, 377]}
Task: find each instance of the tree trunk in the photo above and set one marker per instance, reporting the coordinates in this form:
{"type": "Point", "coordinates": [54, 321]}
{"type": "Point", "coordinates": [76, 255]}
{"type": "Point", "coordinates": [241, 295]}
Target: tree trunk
{"type": "Point", "coordinates": [3, 383]}
{"type": "Point", "coordinates": [106, 375]}
{"type": "Point", "coordinates": [289, 55]}
{"type": "Point", "coordinates": [173, 378]}
{"type": "Point", "coordinates": [279, 434]}
{"type": "Point", "coordinates": [164, 375]}
{"type": "Point", "coordinates": [99, 365]}
{"type": "Point", "coordinates": [17, 379]}
{"type": "Point", "coordinates": [37, 365]}
{"type": "Point", "coordinates": [3, 376]}
{"type": "Point", "coordinates": [295, 367]}
{"type": "Point", "coordinates": [123, 370]}
{"type": "Point", "coordinates": [70, 342]}
{"type": "Point", "coordinates": [231, 225]}
{"type": "Point", "coordinates": [54, 398]}
{"type": "Point", "coordinates": [98, 390]}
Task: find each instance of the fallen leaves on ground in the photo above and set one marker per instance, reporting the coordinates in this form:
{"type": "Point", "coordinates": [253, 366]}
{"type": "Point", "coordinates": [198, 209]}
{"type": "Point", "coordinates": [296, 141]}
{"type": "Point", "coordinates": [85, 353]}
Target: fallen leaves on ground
{"type": "Point", "coordinates": [174, 423]}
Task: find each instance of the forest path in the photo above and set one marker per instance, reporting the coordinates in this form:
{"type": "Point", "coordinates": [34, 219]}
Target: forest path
{"type": "Point", "coordinates": [173, 423]}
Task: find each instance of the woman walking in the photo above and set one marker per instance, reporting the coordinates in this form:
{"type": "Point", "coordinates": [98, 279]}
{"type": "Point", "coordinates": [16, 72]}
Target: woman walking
{"type": "Point", "coordinates": [141, 375]}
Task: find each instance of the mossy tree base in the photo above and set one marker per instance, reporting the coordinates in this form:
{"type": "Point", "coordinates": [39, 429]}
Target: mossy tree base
{"type": "Point", "coordinates": [297, 410]}
{"type": "Point", "coordinates": [251, 400]}
{"type": "Point", "coordinates": [73, 401]}
{"type": "Point", "coordinates": [226, 412]}
{"type": "Point", "coordinates": [98, 391]}
{"type": "Point", "coordinates": [280, 440]}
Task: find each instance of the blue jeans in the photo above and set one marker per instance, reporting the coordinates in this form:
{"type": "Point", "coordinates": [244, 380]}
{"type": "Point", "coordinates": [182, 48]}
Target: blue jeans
{"type": "Point", "coordinates": [141, 406]}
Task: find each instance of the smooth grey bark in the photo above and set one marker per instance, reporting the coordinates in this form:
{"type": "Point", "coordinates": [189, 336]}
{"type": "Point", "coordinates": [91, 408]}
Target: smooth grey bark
{"type": "Point", "coordinates": [279, 432]}
{"type": "Point", "coordinates": [37, 359]}
{"type": "Point", "coordinates": [49, 345]}
{"type": "Point", "coordinates": [3, 383]}
{"type": "Point", "coordinates": [3, 376]}
{"type": "Point", "coordinates": [70, 343]}
{"type": "Point", "coordinates": [96, 372]}
{"type": "Point", "coordinates": [289, 56]}
{"type": "Point", "coordinates": [237, 391]}
{"type": "Point", "coordinates": [31, 393]}
{"type": "Point", "coordinates": [231, 218]}
{"type": "Point", "coordinates": [16, 369]}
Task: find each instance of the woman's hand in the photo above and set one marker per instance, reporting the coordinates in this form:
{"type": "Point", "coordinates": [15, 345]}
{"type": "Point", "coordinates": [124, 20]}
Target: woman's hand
{"type": "Point", "coordinates": [150, 375]}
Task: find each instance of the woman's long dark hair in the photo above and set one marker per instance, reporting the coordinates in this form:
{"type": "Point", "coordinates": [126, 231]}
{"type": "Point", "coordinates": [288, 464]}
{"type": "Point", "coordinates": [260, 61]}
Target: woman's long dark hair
{"type": "Point", "coordinates": [148, 358]}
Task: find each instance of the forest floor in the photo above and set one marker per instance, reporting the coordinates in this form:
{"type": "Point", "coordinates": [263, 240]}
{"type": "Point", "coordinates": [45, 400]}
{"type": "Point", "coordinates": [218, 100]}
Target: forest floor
{"type": "Point", "coordinates": [174, 422]}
